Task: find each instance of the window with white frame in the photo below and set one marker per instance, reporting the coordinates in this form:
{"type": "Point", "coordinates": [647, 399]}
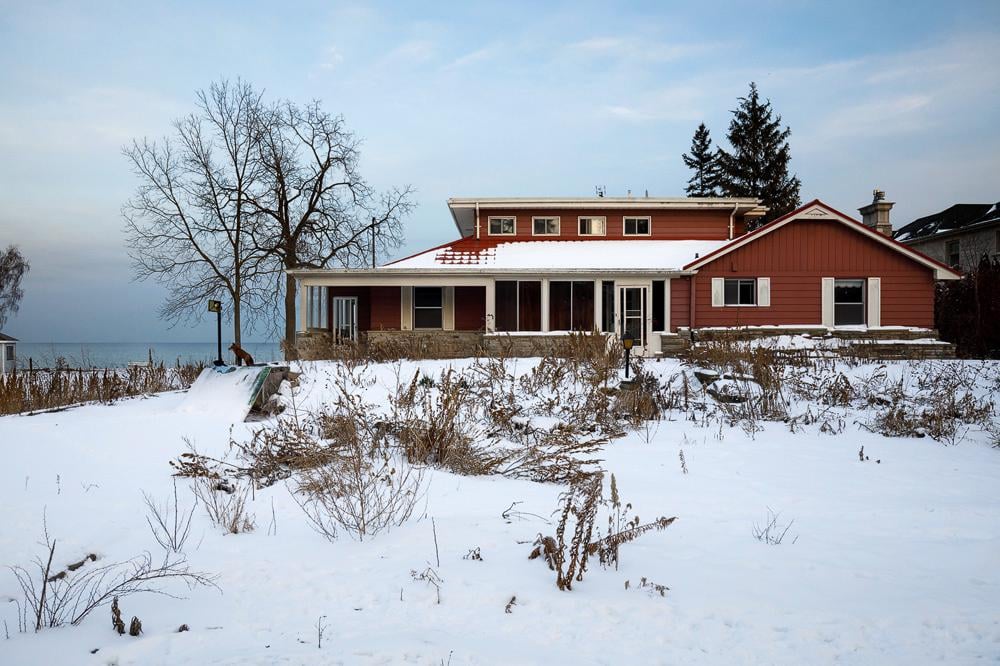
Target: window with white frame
{"type": "Point", "coordinates": [317, 314]}
{"type": "Point", "coordinates": [502, 226]}
{"type": "Point", "coordinates": [10, 352]}
{"type": "Point", "coordinates": [636, 226]}
{"type": "Point", "coordinates": [428, 307]}
{"type": "Point", "coordinates": [545, 226]}
{"type": "Point", "coordinates": [740, 291]}
{"type": "Point", "coordinates": [953, 253]}
{"type": "Point", "coordinates": [593, 226]}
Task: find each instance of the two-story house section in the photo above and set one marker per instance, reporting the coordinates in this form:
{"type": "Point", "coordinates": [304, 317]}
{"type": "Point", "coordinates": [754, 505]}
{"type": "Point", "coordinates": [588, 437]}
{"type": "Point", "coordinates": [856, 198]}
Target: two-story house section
{"type": "Point", "coordinates": [649, 267]}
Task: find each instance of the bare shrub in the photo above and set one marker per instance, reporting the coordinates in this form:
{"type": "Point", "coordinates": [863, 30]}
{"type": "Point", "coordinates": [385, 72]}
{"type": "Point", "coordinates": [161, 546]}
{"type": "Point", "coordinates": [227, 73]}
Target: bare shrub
{"type": "Point", "coordinates": [226, 504]}
{"type": "Point", "coordinates": [69, 596]}
{"type": "Point", "coordinates": [364, 489]}
{"type": "Point", "coordinates": [170, 525]}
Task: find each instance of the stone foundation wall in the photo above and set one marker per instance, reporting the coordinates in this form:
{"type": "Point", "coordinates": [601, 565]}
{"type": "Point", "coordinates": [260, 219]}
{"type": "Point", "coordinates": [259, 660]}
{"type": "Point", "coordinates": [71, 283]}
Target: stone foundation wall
{"type": "Point", "coordinates": [425, 344]}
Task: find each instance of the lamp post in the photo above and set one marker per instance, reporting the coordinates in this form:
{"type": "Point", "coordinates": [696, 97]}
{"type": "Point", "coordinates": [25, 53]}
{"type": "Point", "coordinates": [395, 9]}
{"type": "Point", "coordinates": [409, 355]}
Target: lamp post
{"type": "Point", "coordinates": [627, 342]}
{"type": "Point", "coordinates": [216, 307]}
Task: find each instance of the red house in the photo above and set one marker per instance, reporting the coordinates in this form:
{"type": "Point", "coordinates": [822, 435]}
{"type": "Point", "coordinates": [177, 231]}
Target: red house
{"type": "Point", "coordinates": [652, 267]}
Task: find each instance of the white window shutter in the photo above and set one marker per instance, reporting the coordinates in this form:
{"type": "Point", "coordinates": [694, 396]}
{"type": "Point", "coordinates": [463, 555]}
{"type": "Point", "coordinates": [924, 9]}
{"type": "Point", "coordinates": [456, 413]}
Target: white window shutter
{"type": "Point", "coordinates": [406, 308]}
{"type": "Point", "coordinates": [764, 292]}
{"type": "Point", "coordinates": [874, 301]}
{"type": "Point", "coordinates": [448, 313]}
{"type": "Point", "coordinates": [718, 292]}
{"type": "Point", "coordinates": [827, 302]}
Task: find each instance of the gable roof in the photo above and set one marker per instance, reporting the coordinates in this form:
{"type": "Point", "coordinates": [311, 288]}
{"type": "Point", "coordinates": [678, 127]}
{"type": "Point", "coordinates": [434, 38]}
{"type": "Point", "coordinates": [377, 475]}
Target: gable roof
{"type": "Point", "coordinates": [817, 210]}
{"type": "Point", "coordinates": [950, 220]}
{"type": "Point", "coordinates": [7, 338]}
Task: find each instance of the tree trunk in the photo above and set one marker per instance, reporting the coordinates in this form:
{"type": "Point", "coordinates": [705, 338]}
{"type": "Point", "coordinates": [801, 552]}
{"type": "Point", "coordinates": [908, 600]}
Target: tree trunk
{"type": "Point", "coordinates": [290, 323]}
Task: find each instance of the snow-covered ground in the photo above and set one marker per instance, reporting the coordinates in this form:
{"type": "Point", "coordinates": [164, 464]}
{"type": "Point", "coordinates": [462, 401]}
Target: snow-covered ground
{"type": "Point", "coordinates": [889, 562]}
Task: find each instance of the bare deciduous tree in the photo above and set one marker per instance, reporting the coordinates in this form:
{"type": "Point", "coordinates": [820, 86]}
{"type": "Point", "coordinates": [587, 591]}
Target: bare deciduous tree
{"type": "Point", "coordinates": [188, 224]}
{"type": "Point", "coordinates": [13, 267]}
{"type": "Point", "coordinates": [246, 190]}
{"type": "Point", "coordinates": [315, 209]}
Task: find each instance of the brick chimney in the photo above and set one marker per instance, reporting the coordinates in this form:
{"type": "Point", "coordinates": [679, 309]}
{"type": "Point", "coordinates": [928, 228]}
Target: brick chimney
{"type": "Point", "coordinates": [876, 214]}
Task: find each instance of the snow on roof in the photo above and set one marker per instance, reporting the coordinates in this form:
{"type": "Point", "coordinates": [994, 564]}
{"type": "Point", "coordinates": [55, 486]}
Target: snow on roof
{"type": "Point", "coordinates": [951, 219]}
{"type": "Point", "coordinates": [566, 254]}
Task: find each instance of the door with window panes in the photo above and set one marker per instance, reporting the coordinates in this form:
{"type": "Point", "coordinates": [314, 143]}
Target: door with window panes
{"type": "Point", "coordinates": [632, 308]}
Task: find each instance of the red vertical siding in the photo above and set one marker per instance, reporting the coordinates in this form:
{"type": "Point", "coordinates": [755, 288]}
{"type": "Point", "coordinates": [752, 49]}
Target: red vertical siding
{"type": "Point", "coordinates": [470, 308]}
{"type": "Point", "coordinates": [680, 302]}
{"type": "Point", "coordinates": [796, 258]}
{"type": "Point", "coordinates": [712, 224]}
{"type": "Point", "coordinates": [385, 304]}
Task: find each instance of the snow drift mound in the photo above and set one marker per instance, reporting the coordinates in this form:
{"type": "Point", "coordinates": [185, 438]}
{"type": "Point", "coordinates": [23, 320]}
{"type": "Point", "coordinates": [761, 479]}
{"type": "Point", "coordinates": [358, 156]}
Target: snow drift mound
{"type": "Point", "coordinates": [228, 392]}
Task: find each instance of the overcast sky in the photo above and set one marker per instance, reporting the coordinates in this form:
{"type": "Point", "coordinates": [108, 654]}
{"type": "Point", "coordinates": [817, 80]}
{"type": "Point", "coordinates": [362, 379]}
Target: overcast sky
{"type": "Point", "coordinates": [477, 99]}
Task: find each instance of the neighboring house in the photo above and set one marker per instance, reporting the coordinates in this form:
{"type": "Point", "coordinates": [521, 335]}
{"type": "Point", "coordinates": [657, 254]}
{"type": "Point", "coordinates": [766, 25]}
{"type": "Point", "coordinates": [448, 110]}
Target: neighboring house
{"type": "Point", "coordinates": [958, 236]}
{"type": "Point", "coordinates": [651, 267]}
{"type": "Point", "coordinates": [8, 354]}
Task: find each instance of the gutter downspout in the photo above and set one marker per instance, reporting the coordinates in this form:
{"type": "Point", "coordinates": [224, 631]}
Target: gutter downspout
{"type": "Point", "coordinates": [732, 227]}
{"type": "Point", "coordinates": [477, 220]}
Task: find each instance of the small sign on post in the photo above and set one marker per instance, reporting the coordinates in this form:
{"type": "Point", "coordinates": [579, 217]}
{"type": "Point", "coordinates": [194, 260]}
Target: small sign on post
{"type": "Point", "coordinates": [216, 307]}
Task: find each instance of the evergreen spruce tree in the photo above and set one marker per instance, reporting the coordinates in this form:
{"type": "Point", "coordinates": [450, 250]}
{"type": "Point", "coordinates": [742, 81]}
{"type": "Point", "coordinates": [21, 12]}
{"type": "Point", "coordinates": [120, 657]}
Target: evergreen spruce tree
{"type": "Point", "coordinates": [702, 161]}
{"type": "Point", "coordinates": [757, 166]}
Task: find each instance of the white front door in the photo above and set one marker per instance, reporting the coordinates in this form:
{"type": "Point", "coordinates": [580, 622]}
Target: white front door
{"type": "Point", "coordinates": [345, 318]}
{"type": "Point", "coordinates": [632, 316]}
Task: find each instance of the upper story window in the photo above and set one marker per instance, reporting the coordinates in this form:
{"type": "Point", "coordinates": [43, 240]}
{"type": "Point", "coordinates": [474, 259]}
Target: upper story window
{"type": "Point", "coordinates": [952, 253]}
{"type": "Point", "coordinates": [636, 226]}
{"type": "Point", "coordinates": [545, 226]}
{"type": "Point", "coordinates": [593, 226]}
{"type": "Point", "coordinates": [502, 226]}
{"type": "Point", "coordinates": [741, 291]}
{"type": "Point", "coordinates": [10, 352]}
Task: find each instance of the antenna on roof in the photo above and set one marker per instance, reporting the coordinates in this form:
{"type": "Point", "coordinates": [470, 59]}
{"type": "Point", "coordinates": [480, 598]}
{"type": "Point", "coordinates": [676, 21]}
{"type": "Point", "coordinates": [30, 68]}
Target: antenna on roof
{"type": "Point", "coordinates": [600, 189]}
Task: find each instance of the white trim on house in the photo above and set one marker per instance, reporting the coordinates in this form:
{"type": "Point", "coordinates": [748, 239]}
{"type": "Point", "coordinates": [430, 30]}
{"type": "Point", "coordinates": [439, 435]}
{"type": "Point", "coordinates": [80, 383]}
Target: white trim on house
{"type": "Point", "coordinates": [406, 308]}
{"type": "Point", "coordinates": [489, 225]}
{"type": "Point", "coordinates": [581, 218]}
{"type": "Point", "coordinates": [874, 302]}
{"type": "Point", "coordinates": [763, 292]}
{"type": "Point", "coordinates": [820, 211]}
{"type": "Point", "coordinates": [546, 217]}
{"type": "Point", "coordinates": [649, 225]}
{"type": "Point", "coordinates": [827, 285]}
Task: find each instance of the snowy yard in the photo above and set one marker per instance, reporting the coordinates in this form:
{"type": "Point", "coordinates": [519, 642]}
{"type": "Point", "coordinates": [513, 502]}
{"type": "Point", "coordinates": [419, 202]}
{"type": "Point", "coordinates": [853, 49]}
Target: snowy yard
{"type": "Point", "coordinates": [895, 561]}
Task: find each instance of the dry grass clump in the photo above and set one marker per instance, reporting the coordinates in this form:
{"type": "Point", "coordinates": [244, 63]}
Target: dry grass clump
{"type": "Point", "coordinates": [60, 386]}
{"type": "Point", "coordinates": [226, 504]}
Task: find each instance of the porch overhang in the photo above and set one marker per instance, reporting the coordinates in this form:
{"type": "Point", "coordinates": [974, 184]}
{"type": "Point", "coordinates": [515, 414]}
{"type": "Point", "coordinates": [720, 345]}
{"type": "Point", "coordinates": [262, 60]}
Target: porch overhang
{"type": "Point", "coordinates": [463, 276]}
